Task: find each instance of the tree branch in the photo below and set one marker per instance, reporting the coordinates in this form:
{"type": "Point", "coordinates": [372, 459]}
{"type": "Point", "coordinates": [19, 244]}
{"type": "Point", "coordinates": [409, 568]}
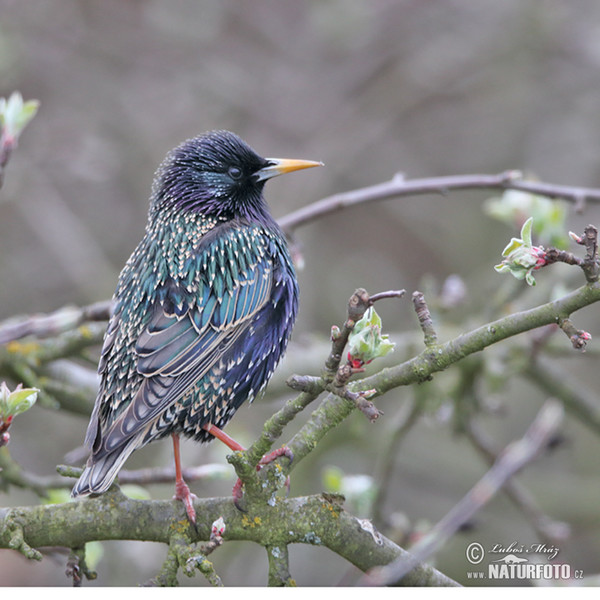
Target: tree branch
{"type": "Point", "coordinates": [440, 357]}
{"type": "Point", "coordinates": [312, 520]}
{"type": "Point", "coordinates": [279, 566]}
{"type": "Point", "coordinates": [64, 319]}
{"type": "Point", "coordinates": [400, 187]}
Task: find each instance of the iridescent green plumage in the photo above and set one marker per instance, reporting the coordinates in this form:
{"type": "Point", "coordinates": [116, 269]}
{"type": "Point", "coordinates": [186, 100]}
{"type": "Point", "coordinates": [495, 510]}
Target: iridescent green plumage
{"type": "Point", "coordinates": [203, 309]}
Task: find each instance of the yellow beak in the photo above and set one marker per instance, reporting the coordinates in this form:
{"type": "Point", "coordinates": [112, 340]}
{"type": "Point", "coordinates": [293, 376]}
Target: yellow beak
{"type": "Point", "coordinates": [279, 166]}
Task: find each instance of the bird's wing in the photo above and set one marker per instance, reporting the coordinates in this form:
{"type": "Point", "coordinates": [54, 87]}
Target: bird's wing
{"type": "Point", "coordinates": [185, 339]}
{"type": "Point", "coordinates": [92, 435]}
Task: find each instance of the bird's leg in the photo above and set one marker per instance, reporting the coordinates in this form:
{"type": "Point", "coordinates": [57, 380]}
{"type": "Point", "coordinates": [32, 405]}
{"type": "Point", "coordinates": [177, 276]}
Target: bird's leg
{"type": "Point", "coordinates": [221, 435]}
{"type": "Point", "coordinates": [236, 447]}
{"type": "Point", "coordinates": [182, 491]}
{"type": "Point", "coordinates": [230, 443]}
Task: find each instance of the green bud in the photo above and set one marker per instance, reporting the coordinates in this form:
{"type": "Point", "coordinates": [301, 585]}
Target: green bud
{"type": "Point", "coordinates": [366, 341]}
{"type": "Point", "coordinates": [521, 256]}
{"type": "Point", "coordinates": [16, 114]}
{"type": "Point", "coordinates": [14, 403]}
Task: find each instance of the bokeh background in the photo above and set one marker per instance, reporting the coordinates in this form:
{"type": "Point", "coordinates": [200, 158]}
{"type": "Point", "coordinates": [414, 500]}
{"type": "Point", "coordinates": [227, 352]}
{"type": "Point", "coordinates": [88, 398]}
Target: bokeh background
{"type": "Point", "coordinates": [370, 87]}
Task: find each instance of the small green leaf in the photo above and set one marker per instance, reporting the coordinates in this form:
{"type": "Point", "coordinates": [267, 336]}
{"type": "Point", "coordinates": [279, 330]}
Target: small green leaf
{"type": "Point", "coordinates": [17, 402]}
{"type": "Point", "coordinates": [513, 245]}
{"type": "Point", "coordinates": [22, 400]}
{"type": "Point", "coordinates": [15, 114]}
{"type": "Point", "coordinates": [526, 232]}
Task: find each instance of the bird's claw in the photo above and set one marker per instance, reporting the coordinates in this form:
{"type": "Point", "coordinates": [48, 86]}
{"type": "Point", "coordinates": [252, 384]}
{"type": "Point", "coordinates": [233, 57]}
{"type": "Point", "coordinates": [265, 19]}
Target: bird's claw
{"type": "Point", "coordinates": [274, 454]}
{"type": "Point", "coordinates": [182, 492]}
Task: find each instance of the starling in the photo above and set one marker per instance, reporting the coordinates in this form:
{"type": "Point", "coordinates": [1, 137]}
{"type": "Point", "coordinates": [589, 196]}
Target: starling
{"type": "Point", "coordinates": [203, 309]}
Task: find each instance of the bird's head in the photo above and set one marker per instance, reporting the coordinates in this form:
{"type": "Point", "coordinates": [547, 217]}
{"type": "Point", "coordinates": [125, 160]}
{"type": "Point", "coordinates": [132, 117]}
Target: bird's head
{"type": "Point", "coordinates": [218, 174]}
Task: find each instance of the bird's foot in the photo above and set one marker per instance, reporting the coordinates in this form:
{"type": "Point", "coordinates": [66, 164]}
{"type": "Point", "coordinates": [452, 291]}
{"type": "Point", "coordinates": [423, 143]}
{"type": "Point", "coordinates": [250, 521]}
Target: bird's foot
{"type": "Point", "coordinates": [237, 492]}
{"type": "Point", "coordinates": [238, 488]}
{"type": "Point", "coordinates": [274, 454]}
{"type": "Point", "coordinates": [182, 492]}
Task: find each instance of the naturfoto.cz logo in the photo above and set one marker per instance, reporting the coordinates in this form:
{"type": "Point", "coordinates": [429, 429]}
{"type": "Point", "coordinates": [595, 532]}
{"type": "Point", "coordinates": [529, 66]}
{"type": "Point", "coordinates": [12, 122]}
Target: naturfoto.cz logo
{"type": "Point", "coordinates": [508, 563]}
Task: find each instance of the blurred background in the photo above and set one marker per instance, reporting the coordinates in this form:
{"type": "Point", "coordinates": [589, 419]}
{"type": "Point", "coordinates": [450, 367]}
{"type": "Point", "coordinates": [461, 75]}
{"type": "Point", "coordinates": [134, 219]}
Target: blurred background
{"type": "Point", "coordinates": [371, 88]}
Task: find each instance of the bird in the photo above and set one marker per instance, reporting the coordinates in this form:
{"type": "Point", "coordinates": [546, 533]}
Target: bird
{"type": "Point", "coordinates": [203, 309]}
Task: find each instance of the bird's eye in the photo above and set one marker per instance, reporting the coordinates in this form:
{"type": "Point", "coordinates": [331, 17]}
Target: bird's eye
{"type": "Point", "coordinates": [234, 172]}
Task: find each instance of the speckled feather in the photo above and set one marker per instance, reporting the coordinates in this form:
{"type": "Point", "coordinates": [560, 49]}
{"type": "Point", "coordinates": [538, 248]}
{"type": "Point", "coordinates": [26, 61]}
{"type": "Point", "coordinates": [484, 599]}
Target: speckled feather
{"type": "Point", "coordinates": [203, 311]}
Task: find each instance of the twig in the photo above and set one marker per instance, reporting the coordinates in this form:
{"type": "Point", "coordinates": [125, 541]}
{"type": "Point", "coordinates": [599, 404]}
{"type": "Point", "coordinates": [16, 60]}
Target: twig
{"type": "Point", "coordinates": [554, 255]}
{"type": "Point", "coordinates": [386, 295]}
{"type": "Point", "coordinates": [578, 337]}
{"type": "Point", "coordinates": [333, 409]}
{"type": "Point", "coordinates": [591, 266]}
{"type": "Point", "coordinates": [362, 402]}
{"type": "Point", "coordinates": [62, 320]}
{"type": "Point", "coordinates": [357, 306]}
{"type": "Point", "coordinates": [399, 187]}
{"type": "Point", "coordinates": [183, 554]}
{"type": "Point", "coordinates": [155, 475]}
{"type": "Point", "coordinates": [422, 366]}
{"type": "Point", "coordinates": [511, 461]}
{"type": "Point", "coordinates": [425, 320]}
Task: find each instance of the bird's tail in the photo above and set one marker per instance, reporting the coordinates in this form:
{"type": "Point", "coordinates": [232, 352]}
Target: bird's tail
{"type": "Point", "coordinates": [100, 471]}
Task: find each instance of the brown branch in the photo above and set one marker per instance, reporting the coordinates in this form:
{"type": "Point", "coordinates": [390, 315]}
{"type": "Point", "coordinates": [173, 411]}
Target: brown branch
{"type": "Point", "coordinates": [400, 187]}
{"type": "Point", "coordinates": [590, 266]}
{"type": "Point", "coordinates": [554, 255]}
{"type": "Point", "coordinates": [578, 337]}
{"type": "Point", "coordinates": [357, 305]}
{"type": "Point", "coordinates": [302, 520]}
{"type": "Point", "coordinates": [425, 320]}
